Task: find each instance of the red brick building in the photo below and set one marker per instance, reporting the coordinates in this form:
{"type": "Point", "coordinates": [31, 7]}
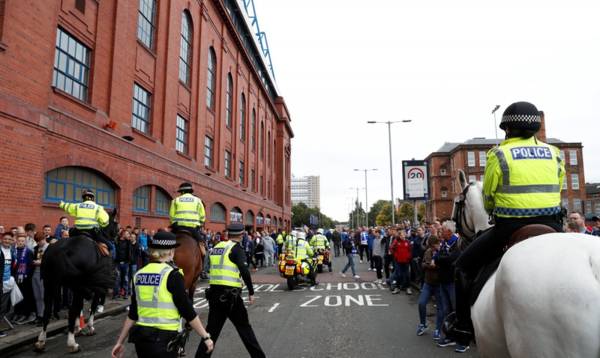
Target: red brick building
{"type": "Point", "coordinates": [130, 98]}
{"type": "Point", "coordinates": [470, 156]}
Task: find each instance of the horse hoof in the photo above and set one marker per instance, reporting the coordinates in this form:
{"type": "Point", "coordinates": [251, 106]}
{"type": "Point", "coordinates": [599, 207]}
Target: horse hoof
{"type": "Point", "coordinates": [74, 349]}
{"type": "Point", "coordinates": [39, 346]}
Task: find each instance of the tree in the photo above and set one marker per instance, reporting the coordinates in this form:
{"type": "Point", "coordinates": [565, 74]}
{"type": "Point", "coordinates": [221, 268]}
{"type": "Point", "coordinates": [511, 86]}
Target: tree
{"type": "Point", "coordinates": [376, 209]}
{"type": "Point", "coordinates": [301, 216]}
{"type": "Point", "coordinates": [357, 216]}
{"type": "Point", "coordinates": [406, 211]}
{"type": "Point", "coordinates": [384, 217]}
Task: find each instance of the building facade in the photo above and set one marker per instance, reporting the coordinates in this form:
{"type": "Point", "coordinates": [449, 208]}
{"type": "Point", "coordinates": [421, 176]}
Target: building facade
{"type": "Point", "coordinates": [306, 190]}
{"type": "Point", "coordinates": [592, 202]}
{"type": "Point", "coordinates": [470, 156]}
{"type": "Point", "coordinates": [131, 98]}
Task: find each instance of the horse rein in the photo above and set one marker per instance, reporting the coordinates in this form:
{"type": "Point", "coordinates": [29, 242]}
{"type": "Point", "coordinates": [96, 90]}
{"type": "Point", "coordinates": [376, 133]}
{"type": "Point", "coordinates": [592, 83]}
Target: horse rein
{"type": "Point", "coordinates": [460, 216]}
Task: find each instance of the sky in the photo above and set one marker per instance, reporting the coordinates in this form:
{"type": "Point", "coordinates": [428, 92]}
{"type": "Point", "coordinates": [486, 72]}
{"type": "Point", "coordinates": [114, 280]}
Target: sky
{"type": "Point", "coordinates": [442, 64]}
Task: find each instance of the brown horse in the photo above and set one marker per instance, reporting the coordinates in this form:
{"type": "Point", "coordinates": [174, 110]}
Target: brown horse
{"type": "Point", "coordinates": [189, 257]}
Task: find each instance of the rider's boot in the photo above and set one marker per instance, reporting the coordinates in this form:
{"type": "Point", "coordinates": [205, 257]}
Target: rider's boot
{"type": "Point", "coordinates": [462, 330]}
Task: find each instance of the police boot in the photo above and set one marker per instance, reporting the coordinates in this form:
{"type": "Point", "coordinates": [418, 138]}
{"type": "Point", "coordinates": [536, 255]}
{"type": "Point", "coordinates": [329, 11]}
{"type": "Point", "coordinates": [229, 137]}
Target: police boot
{"type": "Point", "coordinates": [461, 329]}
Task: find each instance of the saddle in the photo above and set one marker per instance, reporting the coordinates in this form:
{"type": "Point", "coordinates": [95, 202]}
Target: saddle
{"type": "Point", "coordinates": [524, 233]}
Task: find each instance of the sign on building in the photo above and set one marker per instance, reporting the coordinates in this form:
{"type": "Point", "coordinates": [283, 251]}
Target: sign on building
{"type": "Point", "coordinates": [416, 179]}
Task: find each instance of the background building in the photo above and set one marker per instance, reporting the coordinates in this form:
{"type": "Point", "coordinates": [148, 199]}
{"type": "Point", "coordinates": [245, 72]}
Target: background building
{"type": "Point", "coordinates": [471, 155]}
{"type": "Point", "coordinates": [306, 190]}
{"type": "Point", "coordinates": [592, 202]}
{"type": "Point", "coordinates": [130, 98]}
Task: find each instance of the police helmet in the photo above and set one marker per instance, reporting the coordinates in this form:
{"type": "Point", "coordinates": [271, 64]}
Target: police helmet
{"type": "Point", "coordinates": [523, 116]}
{"type": "Point", "coordinates": [301, 235]}
{"type": "Point", "coordinates": [320, 231]}
{"type": "Point", "coordinates": [87, 193]}
{"type": "Point", "coordinates": [185, 188]}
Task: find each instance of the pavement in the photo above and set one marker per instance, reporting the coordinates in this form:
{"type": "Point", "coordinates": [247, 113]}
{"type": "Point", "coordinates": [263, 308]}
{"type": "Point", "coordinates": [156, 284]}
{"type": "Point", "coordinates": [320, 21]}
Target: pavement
{"type": "Point", "coordinates": [341, 317]}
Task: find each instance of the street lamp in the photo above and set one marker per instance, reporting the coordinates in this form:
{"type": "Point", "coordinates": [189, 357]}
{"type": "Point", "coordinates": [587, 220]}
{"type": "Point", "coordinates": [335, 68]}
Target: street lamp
{"type": "Point", "coordinates": [495, 125]}
{"type": "Point", "coordinates": [355, 204]}
{"type": "Point", "coordinates": [389, 124]}
{"type": "Point", "coordinates": [366, 194]}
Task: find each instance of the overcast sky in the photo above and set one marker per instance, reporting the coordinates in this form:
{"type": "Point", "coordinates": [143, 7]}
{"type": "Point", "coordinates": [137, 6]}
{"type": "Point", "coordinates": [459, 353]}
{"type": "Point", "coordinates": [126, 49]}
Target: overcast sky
{"type": "Point", "coordinates": [442, 64]}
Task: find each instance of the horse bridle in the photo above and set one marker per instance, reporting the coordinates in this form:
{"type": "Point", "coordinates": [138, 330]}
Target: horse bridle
{"type": "Point", "coordinates": [459, 216]}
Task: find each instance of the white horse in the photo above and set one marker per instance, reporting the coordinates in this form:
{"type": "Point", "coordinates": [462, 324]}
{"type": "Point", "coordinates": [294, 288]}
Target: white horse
{"type": "Point", "coordinates": [544, 298]}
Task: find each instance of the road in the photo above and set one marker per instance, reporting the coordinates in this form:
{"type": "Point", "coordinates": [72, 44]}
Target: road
{"type": "Point", "coordinates": [339, 318]}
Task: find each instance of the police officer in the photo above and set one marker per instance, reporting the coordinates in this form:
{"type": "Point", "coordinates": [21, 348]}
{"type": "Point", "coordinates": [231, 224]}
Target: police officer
{"type": "Point", "coordinates": [523, 180]}
{"type": "Point", "coordinates": [89, 216]}
{"type": "Point", "coordinates": [227, 270]}
{"type": "Point", "coordinates": [279, 241]}
{"type": "Point", "coordinates": [187, 212]}
{"type": "Point", "coordinates": [159, 302]}
{"type": "Point", "coordinates": [303, 253]}
{"type": "Point", "coordinates": [289, 246]}
{"type": "Point", "coordinates": [320, 242]}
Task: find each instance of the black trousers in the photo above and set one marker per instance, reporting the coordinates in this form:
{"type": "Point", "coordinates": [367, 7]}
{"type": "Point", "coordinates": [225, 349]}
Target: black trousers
{"type": "Point", "coordinates": [387, 261]}
{"type": "Point", "coordinates": [195, 231]}
{"type": "Point", "coordinates": [377, 262]}
{"type": "Point", "coordinates": [234, 309]}
{"type": "Point", "coordinates": [486, 248]}
{"type": "Point", "coordinates": [151, 342]}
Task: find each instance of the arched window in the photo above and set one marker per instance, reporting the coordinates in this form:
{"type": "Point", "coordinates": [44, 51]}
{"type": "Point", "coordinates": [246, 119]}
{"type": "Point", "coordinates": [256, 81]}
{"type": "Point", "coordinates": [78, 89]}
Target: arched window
{"type": "Point", "coordinates": [269, 148]}
{"type": "Point", "coordinates": [235, 215]}
{"type": "Point", "coordinates": [229, 100]}
{"type": "Point", "coordinates": [262, 139]}
{"type": "Point", "coordinates": [66, 184]}
{"type": "Point", "coordinates": [243, 117]}
{"type": "Point", "coordinates": [253, 129]}
{"type": "Point", "coordinates": [144, 195]}
{"type": "Point", "coordinates": [218, 213]}
{"type": "Point", "coordinates": [211, 79]}
{"type": "Point", "coordinates": [141, 199]}
{"type": "Point", "coordinates": [249, 218]}
{"type": "Point", "coordinates": [162, 202]}
{"type": "Point", "coordinates": [185, 51]}
{"type": "Point", "coordinates": [260, 219]}
{"type": "Point", "coordinates": [268, 220]}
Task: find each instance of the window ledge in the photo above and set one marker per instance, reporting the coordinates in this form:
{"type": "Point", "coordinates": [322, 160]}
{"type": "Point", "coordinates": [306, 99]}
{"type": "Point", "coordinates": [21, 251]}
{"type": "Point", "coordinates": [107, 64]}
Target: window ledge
{"type": "Point", "coordinates": [83, 104]}
{"type": "Point", "coordinates": [185, 85]}
{"type": "Point", "coordinates": [149, 50]}
{"type": "Point", "coordinates": [186, 156]}
{"type": "Point", "coordinates": [145, 135]}
{"type": "Point", "coordinates": [3, 46]}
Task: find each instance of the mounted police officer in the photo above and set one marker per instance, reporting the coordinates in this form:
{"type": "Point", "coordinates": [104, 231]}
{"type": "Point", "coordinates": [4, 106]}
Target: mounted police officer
{"type": "Point", "coordinates": [159, 303]}
{"type": "Point", "coordinates": [227, 270]}
{"type": "Point", "coordinates": [187, 212]}
{"type": "Point", "coordinates": [523, 180]}
{"type": "Point", "coordinates": [89, 217]}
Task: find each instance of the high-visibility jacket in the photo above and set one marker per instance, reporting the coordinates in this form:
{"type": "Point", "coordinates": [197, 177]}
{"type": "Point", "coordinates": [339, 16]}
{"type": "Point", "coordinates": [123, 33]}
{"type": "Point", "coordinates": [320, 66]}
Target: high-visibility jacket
{"type": "Point", "coordinates": [290, 243]}
{"type": "Point", "coordinates": [523, 178]}
{"type": "Point", "coordinates": [88, 215]}
{"type": "Point", "coordinates": [222, 270]}
{"type": "Point", "coordinates": [187, 210]}
{"type": "Point", "coordinates": [279, 239]}
{"type": "Point", "coordinates": [303, 250]}
{"type": "Point", "coordinates": [319, 241]}
{"type": "Point", "coordinates": [155, 305]}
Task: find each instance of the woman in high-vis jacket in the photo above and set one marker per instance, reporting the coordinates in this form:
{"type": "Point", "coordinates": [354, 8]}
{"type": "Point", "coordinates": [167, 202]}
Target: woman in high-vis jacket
{"type": "Point", "coordinates": [158, 304]}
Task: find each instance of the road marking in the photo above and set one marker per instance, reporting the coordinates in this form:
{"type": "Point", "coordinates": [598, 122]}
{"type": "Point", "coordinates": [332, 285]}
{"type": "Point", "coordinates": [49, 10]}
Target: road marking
{"type": "Point", "coordinates": [274, 307]}
{"type": "Point", "coordinates": [344, 300]}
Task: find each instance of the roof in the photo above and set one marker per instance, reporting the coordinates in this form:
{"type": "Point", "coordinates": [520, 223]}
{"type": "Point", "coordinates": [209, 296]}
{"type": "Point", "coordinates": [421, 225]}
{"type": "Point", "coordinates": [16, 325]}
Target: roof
{"type": "Point", "coordinates": [592, 188]}
{"type": "Point", "coordinates": [448, 147]}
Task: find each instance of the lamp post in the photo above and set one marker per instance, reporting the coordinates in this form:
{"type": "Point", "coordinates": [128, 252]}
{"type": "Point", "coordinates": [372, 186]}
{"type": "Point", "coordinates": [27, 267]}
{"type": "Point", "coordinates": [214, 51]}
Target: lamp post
{"type": "Point", "coordinates": [389, 124]}
{"type": "Point", "coordinates": [355, 205]}
{"type": "Point", "coordinates": [495, 124]}
{"type": "Point", "coordinates": [366, 194]}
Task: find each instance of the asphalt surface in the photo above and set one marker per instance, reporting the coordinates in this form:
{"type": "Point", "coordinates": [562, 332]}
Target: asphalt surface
{"type": "Point", "coordinates": [339, 318]}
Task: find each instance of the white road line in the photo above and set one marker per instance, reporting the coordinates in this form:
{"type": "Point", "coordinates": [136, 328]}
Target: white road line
{"type": "Point", "coordinates": [274, 307]}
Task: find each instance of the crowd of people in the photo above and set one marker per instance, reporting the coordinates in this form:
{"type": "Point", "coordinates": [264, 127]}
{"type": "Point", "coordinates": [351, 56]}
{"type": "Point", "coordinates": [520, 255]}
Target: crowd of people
{"type": "Point", "coordinates": [400, 255]}
{"type": "Point", "coordinates": [422, 256]}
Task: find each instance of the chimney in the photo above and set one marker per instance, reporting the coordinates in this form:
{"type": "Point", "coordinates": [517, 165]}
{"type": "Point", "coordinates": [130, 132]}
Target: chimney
{"type": "Point", "coordinates": [541, 134]}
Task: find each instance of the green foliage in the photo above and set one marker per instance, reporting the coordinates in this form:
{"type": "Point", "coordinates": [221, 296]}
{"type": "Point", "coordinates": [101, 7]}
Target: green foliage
{"type": "Point", "coordinates": [376, 209]}
{"type": "Point", "coordinates": [357, 216]}
{"type": "Point", "coordinates": [384, 217]}
{"type": "Point", "coordinates": [301, 216]}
